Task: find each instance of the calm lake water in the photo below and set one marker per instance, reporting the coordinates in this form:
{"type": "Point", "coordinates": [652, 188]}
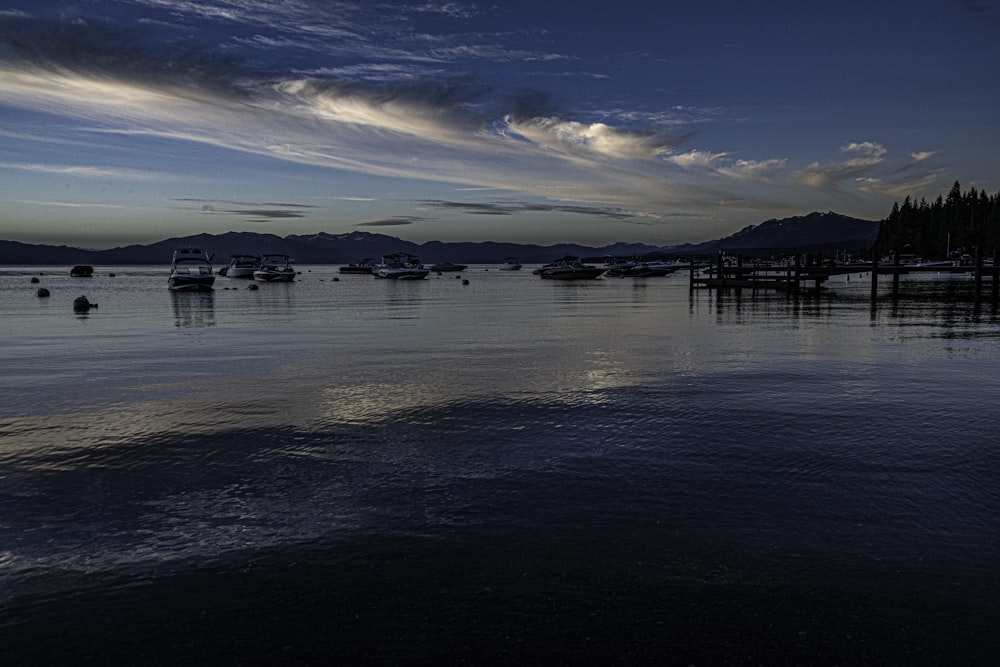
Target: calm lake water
{"type": "Point", "coordinates": [513, 470]}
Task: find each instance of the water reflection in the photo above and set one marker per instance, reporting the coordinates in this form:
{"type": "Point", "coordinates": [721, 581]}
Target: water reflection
{"type": "Point", "coordinates": [193, 309]}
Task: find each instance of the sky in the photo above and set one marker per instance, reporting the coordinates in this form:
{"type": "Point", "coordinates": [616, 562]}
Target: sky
{"type": "Point", "coordinates": [543, 121]}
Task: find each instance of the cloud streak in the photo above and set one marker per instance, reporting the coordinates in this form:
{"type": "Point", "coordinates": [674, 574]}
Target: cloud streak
{"type": "Point", "coordinates": [307, 83]}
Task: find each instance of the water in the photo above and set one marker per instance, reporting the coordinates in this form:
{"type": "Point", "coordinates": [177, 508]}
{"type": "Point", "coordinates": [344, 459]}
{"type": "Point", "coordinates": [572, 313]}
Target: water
{"type": "Point", "coordinates": [513, 470]}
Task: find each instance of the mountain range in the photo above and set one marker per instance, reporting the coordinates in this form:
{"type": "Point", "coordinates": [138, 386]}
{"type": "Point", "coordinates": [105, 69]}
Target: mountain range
{"type": "Point", "coordinates": [816, 232]}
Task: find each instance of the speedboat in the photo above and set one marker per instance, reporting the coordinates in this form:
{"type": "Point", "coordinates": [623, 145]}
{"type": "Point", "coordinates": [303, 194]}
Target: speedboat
{"type": "Point", "coordinates": [570, 268]}
{"type": "Point", "coordinates": [400, 266]}
{"type": "Point", "coordinates": [447, 266]}
{"type": "Point", "coordinates": [241, 266]}
{"type": "Point", "coordinates": [275, 269]}
{"type": "Point", "coordinates": [639, 268]}
{"type": "Point", "coordinates": [510, 264]}
{"type": "Point", "coordinates": [191, 270]}
{"type": "Point", "coordinates": [363, 266]}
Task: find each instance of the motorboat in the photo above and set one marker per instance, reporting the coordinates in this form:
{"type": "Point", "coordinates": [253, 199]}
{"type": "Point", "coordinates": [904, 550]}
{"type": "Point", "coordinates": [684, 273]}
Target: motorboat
{"type": "Point", "coordinates": [240, 266]}
{"type": "Point", "coordinates": [447, 266]}
{"type": "Point", "coordinates": [275, 269]}
{"type": "Point", "coordinates": [82, 271]}
{"type": "Point", "coordinates": [362, 266]}
{"type": "Point", "coordinates": [191, 270]}
{"type": "Point", "coordinates": [510, 264]}
{"type": "Point", "coordinates": [638, 268]}
{"type": "Point", "coordinates": [400, 266]}
{"type": "Point", "coordinates": [570, 268]}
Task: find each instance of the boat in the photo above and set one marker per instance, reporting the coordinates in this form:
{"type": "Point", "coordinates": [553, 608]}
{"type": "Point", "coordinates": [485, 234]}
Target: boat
{"type": "Point", "coordinates": [570, 268]}
{"type": "Point", "coordinates": [241, 266]}
{"type": "Point", "coordinates": [191, 270]}
{"type": "Point", "coordinates": [400, 266]}
{"type": "Point", "coordinates": [362, 266]}
{"type": "Point", "coordinates": [82, 271]}
{"type": "Point", "coordinates": [638, 268]}
{"type": "Point", "coordinates": [447, 266]}
{"type": "Point", "coordinates": [510, 264]}
{"type": "Point", "coordinates": [275, 269]}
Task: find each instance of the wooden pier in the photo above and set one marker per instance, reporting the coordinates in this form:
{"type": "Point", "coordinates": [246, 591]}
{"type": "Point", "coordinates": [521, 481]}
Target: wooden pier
{"type": "Point", "coordinates": [808, 275]}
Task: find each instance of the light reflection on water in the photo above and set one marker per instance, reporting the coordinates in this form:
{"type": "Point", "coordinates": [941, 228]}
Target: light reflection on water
{"type": "Point", "coordinates": [807, 436]}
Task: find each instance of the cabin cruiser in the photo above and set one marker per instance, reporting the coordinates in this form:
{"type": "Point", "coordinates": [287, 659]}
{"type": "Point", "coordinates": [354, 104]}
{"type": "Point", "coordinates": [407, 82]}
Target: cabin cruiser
{"type": "Point", "coordinates": [362, 266]}
{"type": "Point", "coordinates": [569, 268]}
{"type": "Point", "coordinates": [400, 266]}
{"type": "Point", "coordinates": [191, 270]}
{"type": "Point", "coordinates": [275, 269]}
{"type": "Point", "coordinates": [241, 266]}
{"type": "Point", "coordinates": [510, 264]}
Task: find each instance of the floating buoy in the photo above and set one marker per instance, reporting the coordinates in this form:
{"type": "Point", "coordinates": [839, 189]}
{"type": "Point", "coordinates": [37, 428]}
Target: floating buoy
{"type": "Point", "coordinates": [252, 286]}
{"type": "Point", "coordinates": [35, 280]}
{"type": "Point", "coordinates": [42, 292]}
{"type": "Point", "coordinates": [81, 304]}
{"type": "Point", "coordinates": [465, 282]}
{"type": "Point", "coordinates": [336, 279]}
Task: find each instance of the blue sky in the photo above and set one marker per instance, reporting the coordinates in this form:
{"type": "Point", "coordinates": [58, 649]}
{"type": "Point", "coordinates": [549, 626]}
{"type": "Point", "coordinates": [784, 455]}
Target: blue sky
{"type": "Point", "coordinates": [132, 121]}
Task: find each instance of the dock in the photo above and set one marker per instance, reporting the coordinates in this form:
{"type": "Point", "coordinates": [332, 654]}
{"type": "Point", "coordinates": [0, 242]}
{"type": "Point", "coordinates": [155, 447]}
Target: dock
{"type": "Point", "coordinates": [807, 274]}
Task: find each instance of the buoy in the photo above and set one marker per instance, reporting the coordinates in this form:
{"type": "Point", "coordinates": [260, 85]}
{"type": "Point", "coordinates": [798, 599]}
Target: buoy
{"type": "Point", "coordinates": [252, 286]}
{"type": "Point", "coordinates": [42, 292]}
{"type": "Point", "coordinates": [81, 304]}
{"type": "Point", "coordinates": [35, 280]}
{"type": "Point", "coordinates": [465, 282]}
{"type": "Point", "coordinates": [336, 279]}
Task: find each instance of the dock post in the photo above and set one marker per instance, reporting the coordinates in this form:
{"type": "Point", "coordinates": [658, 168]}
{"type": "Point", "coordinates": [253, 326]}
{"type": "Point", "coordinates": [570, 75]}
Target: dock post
{"type": "Point", "coordinates": [895, 276]}
{"type": "Point", "coordinates": [719, 265]}
{"type": "Point", "coordinates": [692, 274]}
{"type": "Point", "coordinates": [978, 279]}
{"type": "Point", "coordinates": [874, 278]}
{"type": "Point", "coordinates": [995, 278]}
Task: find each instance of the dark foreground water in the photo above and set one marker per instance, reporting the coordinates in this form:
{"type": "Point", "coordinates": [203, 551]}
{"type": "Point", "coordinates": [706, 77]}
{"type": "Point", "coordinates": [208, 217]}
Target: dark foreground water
{"type": "Point", "coordinates": [513, 471]}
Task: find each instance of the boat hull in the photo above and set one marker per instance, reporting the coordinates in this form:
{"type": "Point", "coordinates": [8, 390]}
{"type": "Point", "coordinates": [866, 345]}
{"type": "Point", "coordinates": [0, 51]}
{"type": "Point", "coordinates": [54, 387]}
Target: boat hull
{"type": "Point", "coordinates": [274, 277]}
{"type": "Point", "coordinates": [571, 274]}
{"type": "Point", "coordinates": [191, 284]}
{"type": "Point", "coordinates": [402, 274]}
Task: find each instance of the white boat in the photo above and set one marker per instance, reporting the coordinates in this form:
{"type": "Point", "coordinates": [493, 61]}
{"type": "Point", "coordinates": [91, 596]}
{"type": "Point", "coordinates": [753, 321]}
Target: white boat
{"type": "Point", "coordinates": [191, 270]}
{"type": "Point", "coordinates": [510, 264]}
{"type": "Point", "coordinates": [638, 268]}
{"type": "Point", "coordinates": [570, 268]}
{"type": "Point", "coordinates": [241, 266]}
{"type": "Point", "coordinates": [363, 266]}
{"type": "Point", "coordinates": [275, 269]}
{"type": "Point", "coordinates": [400, 266]}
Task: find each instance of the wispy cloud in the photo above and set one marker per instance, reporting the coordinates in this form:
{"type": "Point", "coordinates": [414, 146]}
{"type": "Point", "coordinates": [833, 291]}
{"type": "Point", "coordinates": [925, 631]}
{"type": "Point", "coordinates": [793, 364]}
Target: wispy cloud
{"type": "Point", "coordinates": [66, 204]}
{"type": "Point", "coordinates": [85, 171]}
{"type": "Point", "coordinates": [867, 155]}
{"type": "Point", "coordinates": [251, 211]}
{"type": "Point", "coordinates": [395, 221]}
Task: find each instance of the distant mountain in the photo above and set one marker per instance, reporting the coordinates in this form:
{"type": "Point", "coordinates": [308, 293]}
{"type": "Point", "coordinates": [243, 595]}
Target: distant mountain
{"type": "Point", "coordinates": [815, 232]}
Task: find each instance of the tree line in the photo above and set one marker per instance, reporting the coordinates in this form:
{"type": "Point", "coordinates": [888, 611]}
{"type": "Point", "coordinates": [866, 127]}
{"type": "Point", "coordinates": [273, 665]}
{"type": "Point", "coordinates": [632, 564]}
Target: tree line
{"type": "Point", "coordinates": [951, 226]}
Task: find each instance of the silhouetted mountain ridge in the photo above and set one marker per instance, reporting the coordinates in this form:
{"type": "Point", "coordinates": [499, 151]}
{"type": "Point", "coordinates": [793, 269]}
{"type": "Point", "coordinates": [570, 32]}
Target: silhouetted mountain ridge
{"type": "Point", "coordinates": [815, 232]}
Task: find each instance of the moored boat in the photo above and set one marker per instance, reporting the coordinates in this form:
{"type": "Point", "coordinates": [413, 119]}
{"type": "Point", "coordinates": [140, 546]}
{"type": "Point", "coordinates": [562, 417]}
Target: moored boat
{"type": "Point", "coordinates": [275, 269]}
{"type": "Point", "coordinates": [362, 267]}
{"type": "Point", "coordinates": [240, 266]}
{"type": "Point", "coordinates": [447, 266]}
{"type": "Point", "coordinates": [191, 270]}
{"type": "Point", "coordinates": [82, 271]}
{"type": "Point", "coordinates": [570, 268]}
{"type": "Point", "coordinates": [400, 266]}
{"type": "Point", "coordinates": [510, 264]}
